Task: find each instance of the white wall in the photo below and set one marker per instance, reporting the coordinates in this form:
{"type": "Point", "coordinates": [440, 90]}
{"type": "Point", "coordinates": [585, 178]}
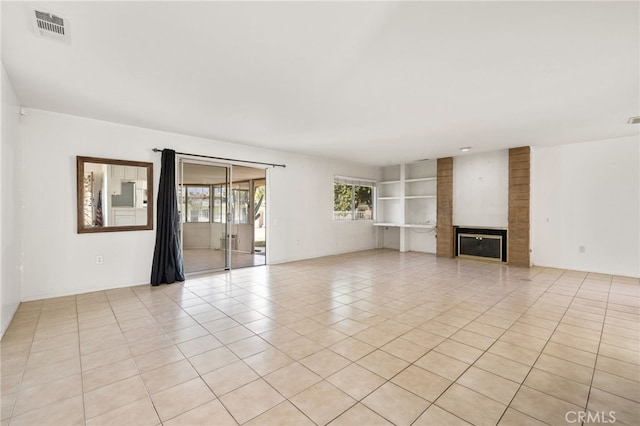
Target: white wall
{"type": "Point", "coordinates": [199, 235]}
{"type": "Point", "coordinates": [421, 239]}
{"type": "Point", "coordinates": [481, 189]}
{"type": "Point", "coordinates": [390, 237]}
{"type": "Point", "coordinates": [9, 205]}
{"type": "Point", "coordinates": [209, 235]}
{"type": "Point", "coordinates": [300, 210]}
{"type": "Point", "coordinates": [587, 194]}
{"type": "Point", "coordinates": [244, 235]}
{"type": "Point", "coordinates": [572, 186]}
{"type": "Point", "coordinates": [59, 261]}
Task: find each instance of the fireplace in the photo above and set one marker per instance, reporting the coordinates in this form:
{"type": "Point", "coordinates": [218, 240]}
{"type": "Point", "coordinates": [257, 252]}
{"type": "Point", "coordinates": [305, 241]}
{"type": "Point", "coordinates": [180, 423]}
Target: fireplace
{"type": "Point", "coordinates": [481, 243]}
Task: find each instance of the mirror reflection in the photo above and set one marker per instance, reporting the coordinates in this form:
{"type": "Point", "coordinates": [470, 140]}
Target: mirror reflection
{"type": "Point", "coordinates": [114, 195]}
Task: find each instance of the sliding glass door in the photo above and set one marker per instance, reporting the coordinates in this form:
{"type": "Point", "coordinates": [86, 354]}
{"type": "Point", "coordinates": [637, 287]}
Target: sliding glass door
{"type": "Point", "coordinates": [247, 222]}
{"type": "Point", "coordinates": [222, 215]}
{"type": "Point", "coordinates": [203, 204]}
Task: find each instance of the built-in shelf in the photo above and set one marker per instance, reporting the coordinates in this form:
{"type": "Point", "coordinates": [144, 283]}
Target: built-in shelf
{"type": "Point", "coordinates": [427, 179]}
{"type": "Point", "coordinates": [414, 187]}
{"type": "Point", "coordinates": [406, 225]}
{"type": "Point", "coordinates": [420, 225]}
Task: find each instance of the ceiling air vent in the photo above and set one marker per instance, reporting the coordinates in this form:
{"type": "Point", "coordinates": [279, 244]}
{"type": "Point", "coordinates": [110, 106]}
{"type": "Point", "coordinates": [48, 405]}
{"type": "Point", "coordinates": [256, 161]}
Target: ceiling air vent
{"type": "Point", "coordinates": [51, 26]}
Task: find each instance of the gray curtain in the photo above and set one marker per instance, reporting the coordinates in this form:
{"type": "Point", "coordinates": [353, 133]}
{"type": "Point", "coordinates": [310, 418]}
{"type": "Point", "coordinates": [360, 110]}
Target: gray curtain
{"type": "Point", "coordinates": [167, 257]}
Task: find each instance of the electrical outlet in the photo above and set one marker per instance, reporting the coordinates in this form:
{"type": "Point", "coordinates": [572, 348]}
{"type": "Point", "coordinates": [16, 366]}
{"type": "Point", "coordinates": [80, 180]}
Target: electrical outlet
{"type": "Point", "coordinates": [99, 260]}
{"type": "Point", "coordinates": [581, 249]}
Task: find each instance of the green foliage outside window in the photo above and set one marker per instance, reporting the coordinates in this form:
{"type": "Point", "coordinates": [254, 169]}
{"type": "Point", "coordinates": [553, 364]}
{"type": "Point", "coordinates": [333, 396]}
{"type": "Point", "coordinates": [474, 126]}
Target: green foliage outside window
{"type": "Point", "coordinates": [352, 202]}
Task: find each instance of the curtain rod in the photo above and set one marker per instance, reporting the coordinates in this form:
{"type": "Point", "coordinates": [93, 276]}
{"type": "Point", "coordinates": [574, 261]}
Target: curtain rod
{"type": "Point", "coordinates": [226, 159]}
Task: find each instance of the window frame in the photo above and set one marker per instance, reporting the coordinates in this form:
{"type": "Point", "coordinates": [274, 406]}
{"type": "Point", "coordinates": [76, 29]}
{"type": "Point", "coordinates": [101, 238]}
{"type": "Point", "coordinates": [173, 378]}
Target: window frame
{"type": "Point", "coordinates": [221, 196]}
{"type": "Point", "coordinates": [185, 218]}
{"type": "Point", "coordinates": [353, 213]}
{"type": "Point", "coordinates": [237, 206]}
{"type": "Point", "coordinates": [218, 192]}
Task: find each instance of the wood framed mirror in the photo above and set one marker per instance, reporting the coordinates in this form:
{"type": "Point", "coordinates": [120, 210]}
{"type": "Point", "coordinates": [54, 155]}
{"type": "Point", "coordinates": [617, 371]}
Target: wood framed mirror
{"type": "Point", "coordinates": [114, 195]}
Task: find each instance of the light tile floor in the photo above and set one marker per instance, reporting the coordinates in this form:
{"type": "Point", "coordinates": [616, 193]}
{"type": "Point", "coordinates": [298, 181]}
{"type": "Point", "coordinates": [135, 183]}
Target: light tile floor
{"type": "Point", "coordinates": [202, 260]}
{"type": "Point", "coordinates": [369, 338]}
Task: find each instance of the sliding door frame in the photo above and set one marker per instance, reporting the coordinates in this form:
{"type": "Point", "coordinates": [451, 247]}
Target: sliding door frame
{"type": "Point", "coordinates": [228, 165]}
{"type": "Point", "coordinates": [181, 160]}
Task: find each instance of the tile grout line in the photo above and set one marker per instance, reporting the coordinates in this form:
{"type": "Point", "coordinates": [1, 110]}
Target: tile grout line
{"type": "Point", "coordinates": [509, 294]}
{"type": "Point", "coordinates": [595, 362]}
{"type": "Point", "coordinates": [209, 333]}
{"type": "Point", "coordinates": [155, 409]}
{"type": "Point", "coordinates": [84, 411]}
{"type": "Point", "coordinates": [237, 293]}
{"type": "Point", "coordinates": [413, 363]}
{"type": "Point", "coordinates": [542, 350]}
{"type": "Point", "coordinates": [432, 349]}
{"type": "Point", "coordinates": [164, 332]}
{"type": "Point", "coordinates": [486, 351]}
{"type": "Point", "coordinates": [24, 368]}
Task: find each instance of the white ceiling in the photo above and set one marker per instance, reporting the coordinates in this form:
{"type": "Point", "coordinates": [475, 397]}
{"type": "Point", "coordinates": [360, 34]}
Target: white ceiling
{"type": "Point", "coordinates": [374, 82]}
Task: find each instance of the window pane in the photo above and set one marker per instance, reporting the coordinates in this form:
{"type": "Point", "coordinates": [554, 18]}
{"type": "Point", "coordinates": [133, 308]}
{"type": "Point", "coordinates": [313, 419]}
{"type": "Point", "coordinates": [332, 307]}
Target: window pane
{"type": "Point", "coordinates": [181, 204]}
{"type": "Point", "coordinates": [342, 201]}
{"type": "Point", "coordinates": [219, 203]}
{"type": "Point", "coordinates": [352, 202]}
{"type": "Point", "coordinates": [198, 204]}
{"type": "Point", "coordinates": [241, 210]}
{"type": "Point", "coordinates": [363, 203]}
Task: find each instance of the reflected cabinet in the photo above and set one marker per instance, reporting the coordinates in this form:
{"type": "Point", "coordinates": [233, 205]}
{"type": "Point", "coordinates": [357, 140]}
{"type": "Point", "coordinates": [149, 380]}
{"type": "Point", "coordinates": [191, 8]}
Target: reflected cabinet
{"type": "Point", "coordinates": [114, 195]}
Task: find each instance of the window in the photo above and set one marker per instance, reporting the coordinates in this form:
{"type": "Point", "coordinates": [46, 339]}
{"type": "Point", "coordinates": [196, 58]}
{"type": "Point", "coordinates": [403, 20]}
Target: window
{"type": "Point", "coordinates": [198, 203]}
{"type": "Point", "coordinates": [241, 206]}
{"type": "Point", "coordinates": [208, 203]}
{"type": "Point", "coordinates": [219, 203]}
{"type": "Point", "coordinates": [195, 203]}
{"type": "Point", "coordinates": [352, 199]}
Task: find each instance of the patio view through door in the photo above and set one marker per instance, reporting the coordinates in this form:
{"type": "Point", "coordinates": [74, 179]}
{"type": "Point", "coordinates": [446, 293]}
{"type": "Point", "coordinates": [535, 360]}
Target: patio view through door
{"type": "Point", "coordinates": [222, 208]}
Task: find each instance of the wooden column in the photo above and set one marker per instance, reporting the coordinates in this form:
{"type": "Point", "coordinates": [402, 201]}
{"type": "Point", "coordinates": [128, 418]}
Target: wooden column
{"type": "Point", "coordinates": [444, 242]}
{"type": "Point", "coordinates": [519, 207]}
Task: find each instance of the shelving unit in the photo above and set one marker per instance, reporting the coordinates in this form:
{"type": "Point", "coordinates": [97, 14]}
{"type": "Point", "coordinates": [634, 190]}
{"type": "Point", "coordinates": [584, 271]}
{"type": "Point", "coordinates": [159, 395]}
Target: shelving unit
{"type": "Point", "coordinates": [389, 200]}
{"type": "Point", "coordinates": [407, 202]}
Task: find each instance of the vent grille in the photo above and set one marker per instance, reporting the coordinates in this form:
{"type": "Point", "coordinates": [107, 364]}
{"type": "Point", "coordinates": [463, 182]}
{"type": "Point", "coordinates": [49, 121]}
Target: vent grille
{"type": "Point", "coordinates": [51, 26]}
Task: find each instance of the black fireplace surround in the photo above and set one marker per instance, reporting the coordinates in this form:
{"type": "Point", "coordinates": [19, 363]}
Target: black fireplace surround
{"type": "Point", "coordinates": [489, 243]}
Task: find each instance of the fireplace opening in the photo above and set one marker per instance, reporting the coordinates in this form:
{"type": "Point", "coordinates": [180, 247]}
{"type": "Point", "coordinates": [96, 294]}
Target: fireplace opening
{"type": "Point", "coordinates": [481, 243]}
